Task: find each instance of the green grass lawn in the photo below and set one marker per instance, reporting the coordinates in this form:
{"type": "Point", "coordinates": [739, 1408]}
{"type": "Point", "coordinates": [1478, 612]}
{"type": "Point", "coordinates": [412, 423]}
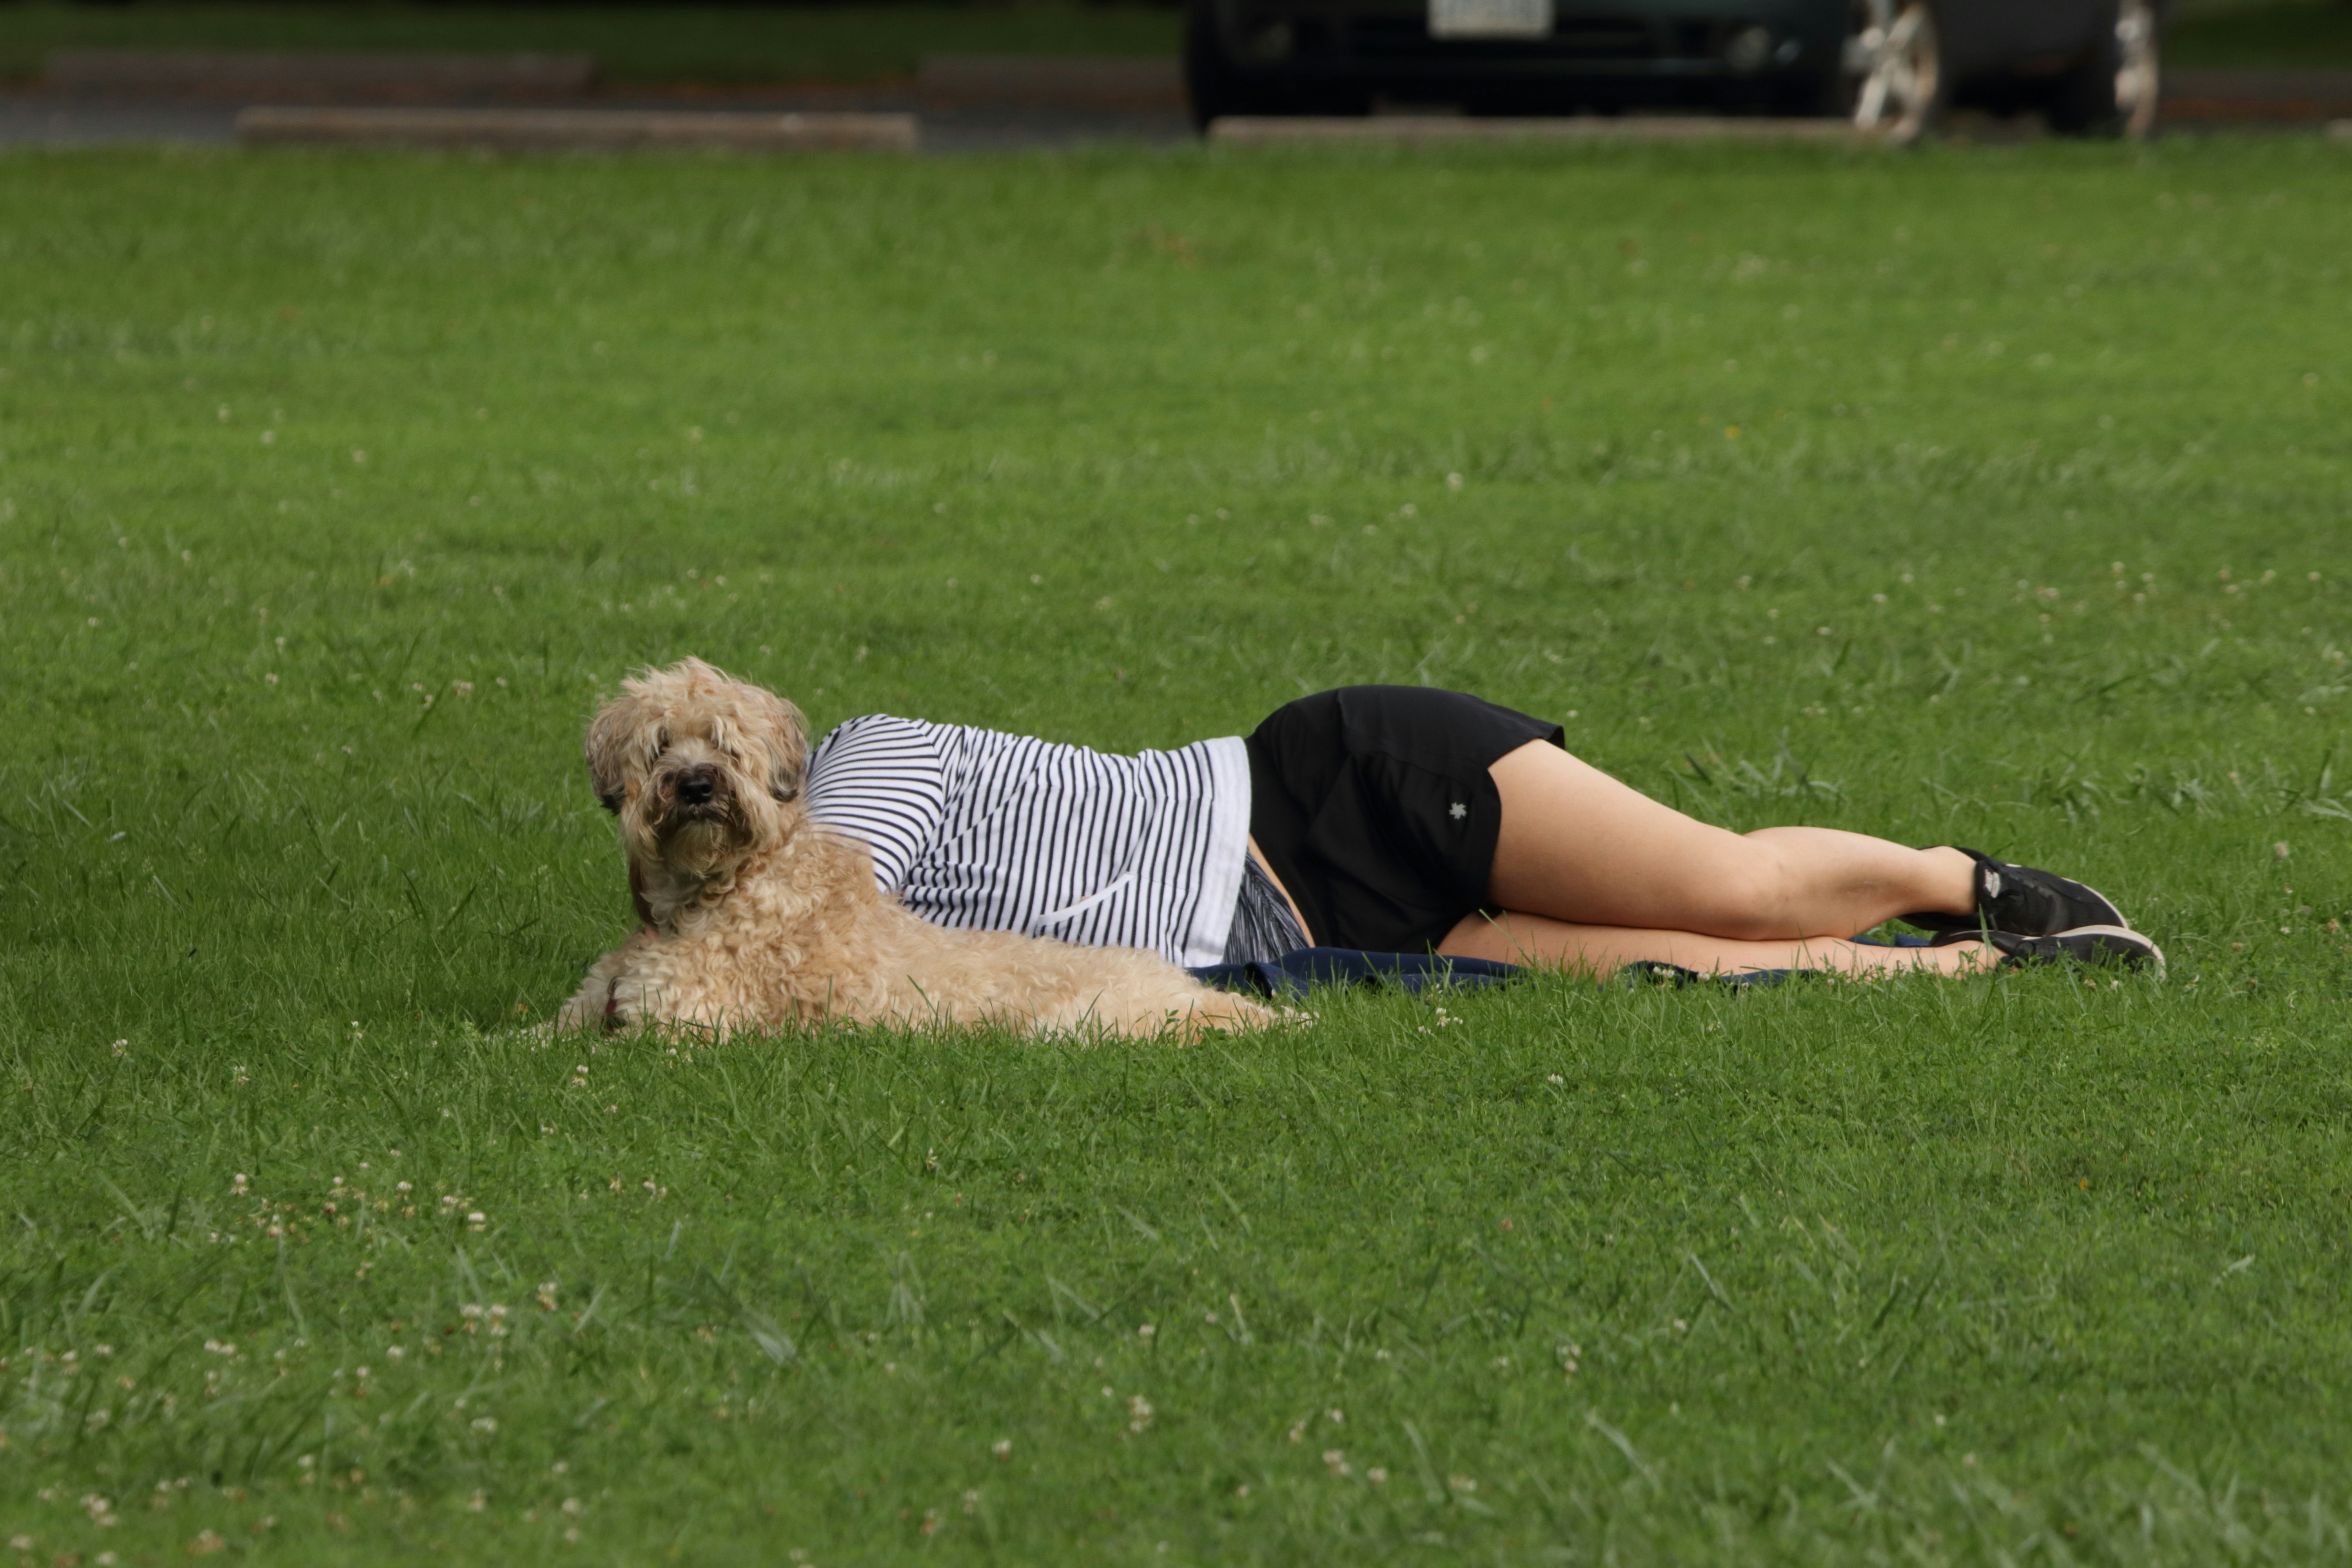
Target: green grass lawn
{"type": "Point", "coordinates": [631, 43]}
{"type": "Point", "coordinates": [1988, 496]}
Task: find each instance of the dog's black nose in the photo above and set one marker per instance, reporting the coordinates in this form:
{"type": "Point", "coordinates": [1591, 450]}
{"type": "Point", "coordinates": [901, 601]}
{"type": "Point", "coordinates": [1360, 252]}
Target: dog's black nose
{"type": "Point", "coordinates": [695, 788]}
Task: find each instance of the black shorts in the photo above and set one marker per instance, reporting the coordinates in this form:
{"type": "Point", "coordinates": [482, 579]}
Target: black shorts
{"type": "Point", "coordinates": [1374, 806]}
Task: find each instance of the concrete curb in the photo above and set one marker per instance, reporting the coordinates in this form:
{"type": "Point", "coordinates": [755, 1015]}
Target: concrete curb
{"type": "Point", "coordinates": [1383, 128]}
{"type": "Point", "coordinates": [314, 74]}
{"type": "Point", "coordinates": [2255, 97]}
{"type": "Point", "coordinates": [545, 130]}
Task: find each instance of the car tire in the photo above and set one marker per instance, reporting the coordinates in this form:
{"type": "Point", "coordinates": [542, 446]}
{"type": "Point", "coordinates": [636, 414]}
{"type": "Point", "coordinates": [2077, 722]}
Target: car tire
{"type": "Point", "coordinates": [2114, 91]}
{"type": "Point", "coordinates": [1829, 96]}
{"type": "Point", "coordinates": [1894, 68]}
{"type": "Point", "coordinates": [1214, 86]}
{"type": "Point", "coordinates": [1211, 91]}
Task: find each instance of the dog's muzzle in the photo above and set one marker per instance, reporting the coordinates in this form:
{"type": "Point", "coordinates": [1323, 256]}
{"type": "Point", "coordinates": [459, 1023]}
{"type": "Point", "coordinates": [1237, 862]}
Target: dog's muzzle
{"type": "Point", "coordinates": [696, 795]}
{"type": "Point", "coordinates": [695, 804]}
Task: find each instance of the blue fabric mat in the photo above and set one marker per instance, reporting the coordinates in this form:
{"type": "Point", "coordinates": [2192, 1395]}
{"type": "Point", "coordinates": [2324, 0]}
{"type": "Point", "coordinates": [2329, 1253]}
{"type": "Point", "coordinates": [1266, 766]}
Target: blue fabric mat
{"type": "Point", "coordinates": [1651, 971]}
{"type": "Point", "coordinates": [1298, 973]}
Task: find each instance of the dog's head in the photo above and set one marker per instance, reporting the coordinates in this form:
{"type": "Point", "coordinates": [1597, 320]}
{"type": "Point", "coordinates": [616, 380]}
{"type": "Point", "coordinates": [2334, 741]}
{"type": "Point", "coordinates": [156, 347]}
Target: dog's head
{"type": "Point", "coordinates": [702, 771]}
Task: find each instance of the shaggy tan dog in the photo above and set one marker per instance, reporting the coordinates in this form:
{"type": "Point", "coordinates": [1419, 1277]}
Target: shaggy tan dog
{"type": "Point", "coordinates": [755, 918]}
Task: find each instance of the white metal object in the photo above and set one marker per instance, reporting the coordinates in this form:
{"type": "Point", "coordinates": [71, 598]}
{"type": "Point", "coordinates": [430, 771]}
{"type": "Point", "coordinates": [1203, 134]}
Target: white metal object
{"type": "Point", "coordinates": [1897, 55]}
{"type": "Point", "coordinates": [2138, 75]}
{"type": "Point", "coordinates": [1490, 18]}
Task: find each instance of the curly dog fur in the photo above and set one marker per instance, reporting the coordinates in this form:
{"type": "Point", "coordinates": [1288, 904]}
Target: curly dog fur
{"type": "Point", "coordinates": [753, 918]}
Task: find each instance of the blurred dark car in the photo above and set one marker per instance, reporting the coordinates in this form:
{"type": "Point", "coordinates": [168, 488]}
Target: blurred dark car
{"type": "Point", "coordinates": [2090, 66]}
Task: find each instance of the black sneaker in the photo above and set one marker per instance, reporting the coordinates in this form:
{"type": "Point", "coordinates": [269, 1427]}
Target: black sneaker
{"type": "Point", "coordinates": [2114, 944]}
{"type": "Point", "coordinates": [2023, 902]}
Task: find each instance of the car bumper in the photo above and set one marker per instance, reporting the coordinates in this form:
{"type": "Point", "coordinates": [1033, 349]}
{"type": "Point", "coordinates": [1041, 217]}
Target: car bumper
{"type": "Point", "coordinates": [1387, 44]}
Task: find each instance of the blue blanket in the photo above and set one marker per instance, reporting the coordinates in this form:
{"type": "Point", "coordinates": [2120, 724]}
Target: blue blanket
{"type": "Point", "coordinates": [1309, 968]}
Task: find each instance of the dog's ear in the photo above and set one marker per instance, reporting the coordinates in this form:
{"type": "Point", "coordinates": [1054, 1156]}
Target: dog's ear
{"type": "Point", "coordinates": [609, 738]}
{"type": "Point", "coordinates": [787, 745]}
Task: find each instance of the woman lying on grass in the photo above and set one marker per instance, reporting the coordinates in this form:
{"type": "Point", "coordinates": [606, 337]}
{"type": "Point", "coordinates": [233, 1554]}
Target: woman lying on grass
{"type": "Point", "coordinates": [1399, 819]}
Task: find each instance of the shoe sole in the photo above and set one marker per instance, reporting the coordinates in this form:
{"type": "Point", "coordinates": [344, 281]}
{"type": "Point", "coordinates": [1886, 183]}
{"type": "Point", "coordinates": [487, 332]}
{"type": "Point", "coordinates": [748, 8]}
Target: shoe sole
{"type": "Point", "coordinates": [2133, 943]}
{"type": "Point", "coordinates": [2131, 946]}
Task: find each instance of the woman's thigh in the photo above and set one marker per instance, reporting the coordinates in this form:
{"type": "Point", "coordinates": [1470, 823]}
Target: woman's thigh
{"type": "Point", "coordinates": [1577, 846]}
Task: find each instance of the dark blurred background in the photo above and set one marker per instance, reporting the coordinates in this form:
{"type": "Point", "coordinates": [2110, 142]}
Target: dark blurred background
{"type": "Point", "coordinates": [709, 40]}
{"type": "Point", "coordinates": [853, 41]}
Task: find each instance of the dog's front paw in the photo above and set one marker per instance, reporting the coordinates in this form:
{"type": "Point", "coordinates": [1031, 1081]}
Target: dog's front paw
{"type": "Point", "coordinates": [593, 1009]}
{"type": "Point", "coordinates": [1225, 1012]}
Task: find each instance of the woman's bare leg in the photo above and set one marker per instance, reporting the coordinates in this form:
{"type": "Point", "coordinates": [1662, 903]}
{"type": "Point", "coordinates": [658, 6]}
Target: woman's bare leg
{"type": "Point", "coordinates": [1582, 849]}
{"type": "Point", "coordinates": [1602, 950]}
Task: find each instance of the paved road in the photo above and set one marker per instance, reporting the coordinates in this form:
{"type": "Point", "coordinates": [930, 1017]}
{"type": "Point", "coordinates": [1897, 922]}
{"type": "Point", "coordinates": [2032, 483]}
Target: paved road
{"type": "Point", "coordinates": [41, 120]}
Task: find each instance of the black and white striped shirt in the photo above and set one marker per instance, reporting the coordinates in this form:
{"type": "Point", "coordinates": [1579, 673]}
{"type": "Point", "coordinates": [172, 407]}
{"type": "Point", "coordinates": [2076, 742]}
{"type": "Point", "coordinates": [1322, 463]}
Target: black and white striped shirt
{"type": "Point", "coordinates": [979, 830]}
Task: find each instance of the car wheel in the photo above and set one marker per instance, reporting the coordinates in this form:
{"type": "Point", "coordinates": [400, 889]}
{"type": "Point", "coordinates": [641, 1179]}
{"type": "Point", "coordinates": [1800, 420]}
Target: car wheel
{"type": "Point", "coordinates": [1215, 87]}
{"type": "Point", "coordinates": [2114, 91]}
{"type": "Point", "coordinates": [1895, 57]}
{"type": "Point", "coordinates": [1210, 87]}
